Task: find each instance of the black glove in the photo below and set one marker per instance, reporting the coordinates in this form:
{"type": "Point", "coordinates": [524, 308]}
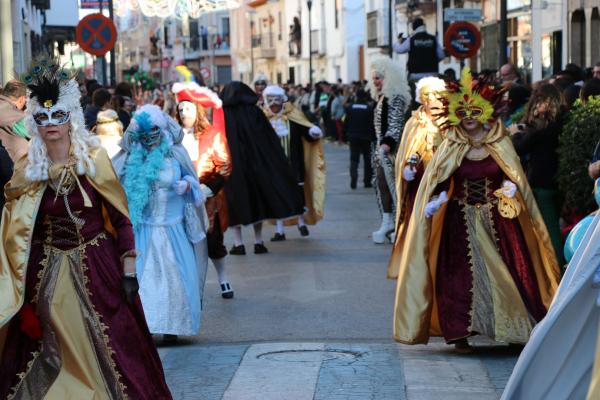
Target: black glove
{"type": "Point", "coordinates": [130, 288]}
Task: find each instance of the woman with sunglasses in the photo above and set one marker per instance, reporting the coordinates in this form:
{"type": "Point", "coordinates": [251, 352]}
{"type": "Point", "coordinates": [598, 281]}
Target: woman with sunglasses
{"type": "Point", "coordinates": [166, 204]}
{"type": "Point", "coordinates": [71, 322]}
{"type": "Point", "coordinates": [479, 259]}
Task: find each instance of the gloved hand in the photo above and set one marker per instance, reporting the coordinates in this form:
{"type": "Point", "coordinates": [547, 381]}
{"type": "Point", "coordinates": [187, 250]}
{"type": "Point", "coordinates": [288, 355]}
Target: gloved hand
{"type": "Point", "coordinates": [409, 173]}
{"type": "Point", "coordinates": [130, 287]}
{"type": "Point", "coordinates": [434, 205]}
{"type": "Point", "coordinates": [206, 191]}
{"type": "Point", "coordinates": [181, 187]}
{"type": "Point", "coordinates": [315, 132]}
{"type": "Point", "coordinates": [509, 189]}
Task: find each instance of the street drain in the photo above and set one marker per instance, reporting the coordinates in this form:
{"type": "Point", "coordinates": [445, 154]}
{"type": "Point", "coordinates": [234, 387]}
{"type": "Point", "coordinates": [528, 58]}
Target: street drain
{"type": "Point", "coordinates": [309, 355]}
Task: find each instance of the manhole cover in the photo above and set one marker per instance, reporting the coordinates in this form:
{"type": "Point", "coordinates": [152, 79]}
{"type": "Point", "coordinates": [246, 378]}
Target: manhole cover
{"type": "Point", "coordinates": [309, 355]}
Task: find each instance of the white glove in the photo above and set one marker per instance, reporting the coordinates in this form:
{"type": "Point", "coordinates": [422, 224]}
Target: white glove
{"type": "Point", "coordinates": [434, 205]}
{"type": "Point", "coordinates": [509, 189]}
{"type": "Point", "coordinates": [315, 132]}
{"type": "Point", "coordinates": [181, 187]}
{"type": "Point", "coordinates": [409, 173]}
{"type": "Point", "coordinates": [206, 191]}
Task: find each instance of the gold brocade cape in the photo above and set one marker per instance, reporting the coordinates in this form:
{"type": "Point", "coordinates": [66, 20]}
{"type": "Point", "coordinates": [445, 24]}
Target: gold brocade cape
{"type": "Point", "coordinates": [23, 199]}
{"type": "Point", "coordinates": [420, 137]}
{"type": "Point", "coordinates": [314, 166]}
{"type": "Point", "coordinates": [415, 309]}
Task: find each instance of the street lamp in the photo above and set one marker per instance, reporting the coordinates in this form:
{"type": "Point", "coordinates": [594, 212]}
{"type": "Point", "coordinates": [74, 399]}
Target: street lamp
{"type": "Point", "coordinates": [310, 68]}
{"type": "Point", "coordinates": [250, 15]}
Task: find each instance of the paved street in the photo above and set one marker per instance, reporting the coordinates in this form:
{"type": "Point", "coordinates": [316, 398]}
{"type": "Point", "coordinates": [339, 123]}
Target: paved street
{"type": "Point", "coordinates": [312, 320]}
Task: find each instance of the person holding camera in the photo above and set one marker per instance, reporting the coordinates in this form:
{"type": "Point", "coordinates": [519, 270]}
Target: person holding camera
{"type": "Point", "coordinates": [424, 51]}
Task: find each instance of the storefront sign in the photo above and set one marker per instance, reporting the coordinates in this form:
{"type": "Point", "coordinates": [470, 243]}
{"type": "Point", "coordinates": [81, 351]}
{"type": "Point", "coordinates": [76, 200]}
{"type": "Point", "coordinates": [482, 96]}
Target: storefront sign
{"type": "Point", "coordinates": [462, 40]}
{"type": "Point", "coordinates": [462, 14]}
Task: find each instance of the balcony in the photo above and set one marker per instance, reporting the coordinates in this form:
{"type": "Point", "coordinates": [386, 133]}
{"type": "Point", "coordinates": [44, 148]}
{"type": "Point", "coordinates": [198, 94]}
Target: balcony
{"type": "Point", "coordinates": [265, 44]}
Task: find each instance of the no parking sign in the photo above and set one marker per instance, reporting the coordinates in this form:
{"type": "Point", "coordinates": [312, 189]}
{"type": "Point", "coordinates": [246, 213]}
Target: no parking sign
{"type": "Point", "coordinates": [96, 34]}
{"type": "Point", "coordinates": [462, 40]}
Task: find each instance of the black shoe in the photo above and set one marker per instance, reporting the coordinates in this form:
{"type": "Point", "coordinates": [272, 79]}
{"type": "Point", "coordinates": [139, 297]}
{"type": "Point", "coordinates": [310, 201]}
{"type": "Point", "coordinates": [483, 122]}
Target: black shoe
{"type": "Point", "coordinates": [368, 185]}
{"type": "Point", "coordinates": [238, 250]}
{"type": "Point", "coordinates": [279, 237]}
{"type": "Point", "coordinates": [353, 184]}
{"type": "Point", "coordinates": [226, 291]}
{"type": "Point", "coordinates": [169, 339]}
{"type": "Point", "coordinates": [303, 230]}
{"type": "Point", "coordinates": [259, 248]}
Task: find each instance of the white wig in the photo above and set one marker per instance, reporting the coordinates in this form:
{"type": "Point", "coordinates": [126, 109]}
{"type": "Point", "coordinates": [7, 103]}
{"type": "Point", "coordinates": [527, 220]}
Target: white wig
{"type": "Point", "coordinates": [394, 79]}
{"type": "Point", "coordinates": [81, 140]}
{"type": "Point", "coordinates": [274, 91]}
{"type": "Point", "coordinates": [260, 77]}
{"type": "Point", "coordinates": [429, 84]}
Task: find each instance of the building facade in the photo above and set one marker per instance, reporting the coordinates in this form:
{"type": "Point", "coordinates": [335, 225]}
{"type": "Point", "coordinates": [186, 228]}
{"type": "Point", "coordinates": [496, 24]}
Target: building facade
{"type": "Point", "coordinates": [21, 32]}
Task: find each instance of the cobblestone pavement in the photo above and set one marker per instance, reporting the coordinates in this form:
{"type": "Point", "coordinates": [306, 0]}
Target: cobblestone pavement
{"type": "Point", "coordinates": [312, 320]}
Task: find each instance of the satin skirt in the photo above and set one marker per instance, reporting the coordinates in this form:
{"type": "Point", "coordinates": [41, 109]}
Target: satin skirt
{"type": "Point", "coordinates": [95, 346]}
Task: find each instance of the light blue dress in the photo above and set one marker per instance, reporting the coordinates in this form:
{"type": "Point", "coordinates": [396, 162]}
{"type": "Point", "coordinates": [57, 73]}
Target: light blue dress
{"type": "Point", "coordinates": [167, 265]}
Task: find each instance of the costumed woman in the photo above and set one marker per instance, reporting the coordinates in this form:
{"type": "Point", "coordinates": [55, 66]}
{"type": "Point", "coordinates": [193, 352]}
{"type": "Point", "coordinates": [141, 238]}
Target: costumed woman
{"type": "Point", "coordinates": [389, 88]}
{"type": "Point", "coordinates": [262, 185]}
{"type": "Point", "coordinates": [167, 213]}
{"type": "Point", "coordinates": [558, 359]}
{"type": "Point", "coordinates": [478, 258]}
{"type": "Point", "coordinates": [421, 137]}
{"type": "Point", "coordinates": [207, 146]}
{"type": "Point", "coordinates": [71, 322]}
{"type": "Point", "coordinates": [300, 140]}
{"type": "Point", "coordinates": [110, 131]}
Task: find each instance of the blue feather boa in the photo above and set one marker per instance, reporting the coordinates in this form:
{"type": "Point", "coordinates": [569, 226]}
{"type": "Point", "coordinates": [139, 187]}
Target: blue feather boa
{"type": "Point", "coordinates": [142, 169]}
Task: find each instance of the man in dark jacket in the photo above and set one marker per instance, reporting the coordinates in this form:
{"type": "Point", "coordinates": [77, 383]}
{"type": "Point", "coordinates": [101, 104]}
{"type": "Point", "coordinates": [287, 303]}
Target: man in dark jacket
{"type": "Point", "coordinates": [361, 133]}
{"type": "Point", "coordinates": [13, 134]}
{"type": "Point", "coordinates": [424, 52]}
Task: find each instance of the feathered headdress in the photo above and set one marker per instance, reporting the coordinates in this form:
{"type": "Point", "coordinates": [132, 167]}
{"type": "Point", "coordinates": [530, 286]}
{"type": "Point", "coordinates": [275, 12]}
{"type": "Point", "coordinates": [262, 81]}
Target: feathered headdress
{"type": "Point", "coordinates": [474, 99]}
{"type": "Point", "coordinates": [53, 87]}
{"type": "Point", "coordinates": [44, 80]}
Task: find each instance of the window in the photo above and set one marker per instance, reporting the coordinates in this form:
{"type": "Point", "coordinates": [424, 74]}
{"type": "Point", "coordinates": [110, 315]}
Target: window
{"type": "Point", "coordinates": [337, 6]}
{"type": "Point", "coordinates": [279, 26]}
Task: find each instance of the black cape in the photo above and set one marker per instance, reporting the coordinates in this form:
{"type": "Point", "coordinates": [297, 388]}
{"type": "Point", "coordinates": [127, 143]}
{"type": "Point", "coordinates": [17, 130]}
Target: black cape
{"type": "Point", "coordinates": [262, 184]}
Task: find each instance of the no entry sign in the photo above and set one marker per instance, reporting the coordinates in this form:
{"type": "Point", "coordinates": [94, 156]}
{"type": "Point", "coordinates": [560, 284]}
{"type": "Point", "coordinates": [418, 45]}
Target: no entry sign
{"type": "Point", "coordinates": [462, 40]}
{"type": "Point", "coordinates": [96, 34]}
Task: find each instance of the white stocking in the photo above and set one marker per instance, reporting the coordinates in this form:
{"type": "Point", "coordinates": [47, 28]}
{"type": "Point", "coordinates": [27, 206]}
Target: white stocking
{"type": "Point", "coordinates": [279, 228]}
{"type": "Point", "coordinates": [237, 235]}
{"type": "Point", "coordinates": [220, 268]}
{"type": "Point", "coordinates": [301, 221]}
{"type": "Point", "coordinates": [258, 233]}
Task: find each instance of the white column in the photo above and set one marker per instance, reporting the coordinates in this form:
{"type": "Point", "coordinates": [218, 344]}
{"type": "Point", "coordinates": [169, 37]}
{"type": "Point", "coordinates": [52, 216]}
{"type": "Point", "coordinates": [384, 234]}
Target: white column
{"type": "Point", "coordinates": [588, 37]}
{"type": "Point", "coordinates": [536, 40]}
{"type": "Point", "coordinates": [6, 41]}
{"type": "Point", "coordinates": [566, 33]}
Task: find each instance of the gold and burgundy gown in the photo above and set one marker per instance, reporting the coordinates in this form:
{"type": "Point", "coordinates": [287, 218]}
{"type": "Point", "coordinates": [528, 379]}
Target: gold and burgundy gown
{"type": "Point", "coordinates": [481, 289]}
{"type": "Point", "coordinates": [94, 344]}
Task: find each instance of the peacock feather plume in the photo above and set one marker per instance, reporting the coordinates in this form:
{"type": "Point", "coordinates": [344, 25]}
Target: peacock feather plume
{"type": "Point", "coordinates": [44, 78]}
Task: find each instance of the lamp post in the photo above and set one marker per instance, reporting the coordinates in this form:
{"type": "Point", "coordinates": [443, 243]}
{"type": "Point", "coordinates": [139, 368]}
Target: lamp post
{"type": "Point", "coordinates": [310, 68]}
{"type": "Point", "coordinates": [250, 15]}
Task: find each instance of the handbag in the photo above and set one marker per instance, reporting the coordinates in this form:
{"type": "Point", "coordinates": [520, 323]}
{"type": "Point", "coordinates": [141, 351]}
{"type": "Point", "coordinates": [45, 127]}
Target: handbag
{"type": "Point", "coordinates": [194, 228]}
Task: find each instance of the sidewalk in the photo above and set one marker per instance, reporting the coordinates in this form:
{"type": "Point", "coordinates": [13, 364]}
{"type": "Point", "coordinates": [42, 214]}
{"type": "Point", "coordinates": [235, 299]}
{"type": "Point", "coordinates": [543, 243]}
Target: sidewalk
{"type": "Point", "coordinates": [336, 371]}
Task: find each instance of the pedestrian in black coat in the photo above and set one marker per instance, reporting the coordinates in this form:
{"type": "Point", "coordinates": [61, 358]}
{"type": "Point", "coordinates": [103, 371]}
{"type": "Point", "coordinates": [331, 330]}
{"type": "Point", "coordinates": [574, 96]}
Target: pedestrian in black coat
{"type": "Point", "coordinates": [361, 134]}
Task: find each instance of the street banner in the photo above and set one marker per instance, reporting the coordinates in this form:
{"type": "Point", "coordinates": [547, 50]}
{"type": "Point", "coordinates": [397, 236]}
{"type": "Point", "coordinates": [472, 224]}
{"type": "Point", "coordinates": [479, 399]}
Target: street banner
{"type": "Point", "coordinates": [93, 4]}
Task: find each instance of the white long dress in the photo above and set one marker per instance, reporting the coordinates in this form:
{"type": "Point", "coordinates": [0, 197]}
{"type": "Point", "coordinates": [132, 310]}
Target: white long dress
{"type": "Point", "coordinates": [557, 362]}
